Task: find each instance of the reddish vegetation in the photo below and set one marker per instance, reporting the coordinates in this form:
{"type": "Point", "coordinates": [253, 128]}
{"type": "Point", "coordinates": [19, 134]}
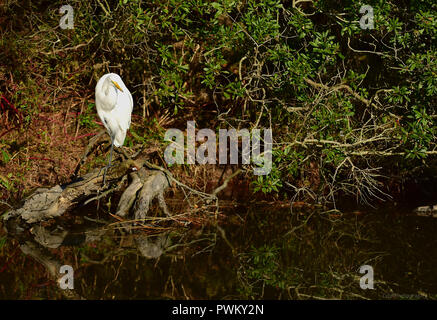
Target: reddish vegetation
{"type": "Point", "coordinates": [43, 152]}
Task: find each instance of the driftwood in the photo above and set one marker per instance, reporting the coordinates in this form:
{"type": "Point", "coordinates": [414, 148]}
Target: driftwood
{"type": "Point", "coordinates": [426, 211]}
{"type": "Point", "coordinates": [152, 188]}
{"type": "Point", "coordinates": [145, 185]}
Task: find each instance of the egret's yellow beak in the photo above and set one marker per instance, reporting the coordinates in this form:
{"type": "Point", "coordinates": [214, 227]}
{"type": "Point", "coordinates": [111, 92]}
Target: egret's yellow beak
{"type": "Point", "coordinates": [117, 86]}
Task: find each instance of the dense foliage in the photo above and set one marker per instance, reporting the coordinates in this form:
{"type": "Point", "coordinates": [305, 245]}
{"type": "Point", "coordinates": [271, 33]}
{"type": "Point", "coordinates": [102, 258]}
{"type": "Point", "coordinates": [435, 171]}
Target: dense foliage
{"type": "Point", "coordinates": [347, 106]}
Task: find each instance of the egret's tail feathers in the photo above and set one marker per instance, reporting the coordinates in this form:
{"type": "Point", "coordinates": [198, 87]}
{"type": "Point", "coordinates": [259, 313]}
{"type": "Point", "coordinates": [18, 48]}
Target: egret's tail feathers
{"type": "Point", "coordinates": [119, 138]}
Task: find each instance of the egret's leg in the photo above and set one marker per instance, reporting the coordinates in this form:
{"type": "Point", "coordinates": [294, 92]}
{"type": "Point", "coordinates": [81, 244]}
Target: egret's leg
{"type": "Point", "coordinates": [110, 154]}
{"type": "Point", "coordinates": [109, 162]}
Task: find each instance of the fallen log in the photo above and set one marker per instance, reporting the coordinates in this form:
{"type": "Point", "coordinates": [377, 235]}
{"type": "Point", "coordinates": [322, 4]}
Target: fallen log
{"type": "Point", "coordinates": [48, 203]}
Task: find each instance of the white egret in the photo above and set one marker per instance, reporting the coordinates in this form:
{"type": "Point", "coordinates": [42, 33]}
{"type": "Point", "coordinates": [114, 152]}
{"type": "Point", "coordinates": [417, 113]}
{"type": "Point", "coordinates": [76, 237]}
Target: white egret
{"type": "Point", "coordinates": [114, 106]}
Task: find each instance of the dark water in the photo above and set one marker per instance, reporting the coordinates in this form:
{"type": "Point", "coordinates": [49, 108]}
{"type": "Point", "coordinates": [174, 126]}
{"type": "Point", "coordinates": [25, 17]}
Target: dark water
{"type": "Point", "coordinates": [247, 253]}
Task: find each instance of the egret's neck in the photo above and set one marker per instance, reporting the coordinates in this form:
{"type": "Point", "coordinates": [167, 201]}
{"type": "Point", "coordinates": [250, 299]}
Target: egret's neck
{"type": "Point", "coordinates": [109, 96]}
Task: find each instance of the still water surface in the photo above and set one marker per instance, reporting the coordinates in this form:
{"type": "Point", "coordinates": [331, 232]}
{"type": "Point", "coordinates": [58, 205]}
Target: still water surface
{"type": "Point", "coordinates": [255, 252]}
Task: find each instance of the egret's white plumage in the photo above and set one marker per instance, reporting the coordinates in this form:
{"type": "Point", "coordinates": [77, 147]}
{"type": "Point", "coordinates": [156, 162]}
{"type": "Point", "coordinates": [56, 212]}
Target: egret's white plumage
{"type": "Point", "coordinates": [114, 106]}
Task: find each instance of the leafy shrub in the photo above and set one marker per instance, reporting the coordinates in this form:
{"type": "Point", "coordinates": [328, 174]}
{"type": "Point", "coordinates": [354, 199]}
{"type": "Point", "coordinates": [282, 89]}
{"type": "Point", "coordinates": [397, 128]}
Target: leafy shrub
{"type": "Point", "coordinates": [346, 105]}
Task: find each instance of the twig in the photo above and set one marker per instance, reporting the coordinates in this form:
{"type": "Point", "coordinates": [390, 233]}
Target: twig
{"type": "Point", "coordinates": [2, 202]}
{"type": "Point", "coordinates": [69, 48]}
{"type": "Point", "coordinates": [225, 182]}
{"type": "Point", "coordinates": [90, 145]}
{"type": "Point", "coordinates": [102, 195]}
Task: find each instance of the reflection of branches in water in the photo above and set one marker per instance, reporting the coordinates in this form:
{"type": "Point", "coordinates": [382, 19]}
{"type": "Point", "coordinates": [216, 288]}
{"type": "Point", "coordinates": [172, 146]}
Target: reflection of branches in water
{"type": "Point", "coordinates": [333, 244]}
{"type": "Point", "coordinates": [111, 254]}
{"type": "Point", "coordinates": [51, 264]}
{"type": "Point", "coordinates": [138, 243]}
